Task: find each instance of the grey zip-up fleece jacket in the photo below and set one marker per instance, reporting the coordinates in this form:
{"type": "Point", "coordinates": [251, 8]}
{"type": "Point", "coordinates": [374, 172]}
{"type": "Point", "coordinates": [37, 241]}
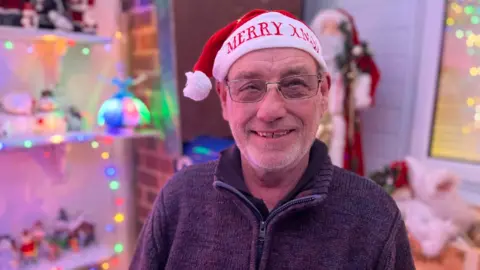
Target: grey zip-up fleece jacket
{"type": "Point", "coordinates": [205, 218]}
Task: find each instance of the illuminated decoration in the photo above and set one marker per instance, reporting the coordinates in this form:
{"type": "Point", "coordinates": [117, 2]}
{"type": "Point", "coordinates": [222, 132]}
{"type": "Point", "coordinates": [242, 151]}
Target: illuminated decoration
{"type": "Point", "coordinates": [111, 174]}
{"type": "Point", "coordinates": [456, 127]}
{"type": "Point", "coordinates": [123, 111]}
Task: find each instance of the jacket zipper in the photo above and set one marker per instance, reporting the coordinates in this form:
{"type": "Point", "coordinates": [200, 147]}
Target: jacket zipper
{"type": "Point", "coordinates": [264, 222]}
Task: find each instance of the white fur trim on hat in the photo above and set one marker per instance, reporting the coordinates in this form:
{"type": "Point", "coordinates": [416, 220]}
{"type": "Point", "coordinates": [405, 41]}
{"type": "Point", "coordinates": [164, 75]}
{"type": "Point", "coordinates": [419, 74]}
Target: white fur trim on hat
{"type": "Point", "coordinates": [198, 86]}
{"type": "Point", "coordinates": [269, 30]}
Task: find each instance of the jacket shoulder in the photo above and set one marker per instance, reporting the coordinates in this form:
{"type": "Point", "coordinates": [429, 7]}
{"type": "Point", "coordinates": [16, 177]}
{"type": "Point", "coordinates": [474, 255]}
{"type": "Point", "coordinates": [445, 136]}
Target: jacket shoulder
{"type": "Point", "coordinates": [362, 195]}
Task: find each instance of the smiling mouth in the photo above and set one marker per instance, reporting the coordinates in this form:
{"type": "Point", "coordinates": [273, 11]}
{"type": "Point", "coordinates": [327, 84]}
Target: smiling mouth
{"type": "Point", "coordinates": [271, 135]}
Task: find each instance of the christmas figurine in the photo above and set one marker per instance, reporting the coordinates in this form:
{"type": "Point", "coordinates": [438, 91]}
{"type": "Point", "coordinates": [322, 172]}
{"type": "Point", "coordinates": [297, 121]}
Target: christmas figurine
{"type": "Point", "coordinates": [81, 14]}
{"type": "Point", "coordinates": [49, 118]}
{"type": "Point", "coordinates": [8, 253]}
{"type": "Point", "coordinates": [11, 12]}
{"type": "Point", "coordinates": [39, 237]}
{"type": "Point", "coordinates": [27, 248]}
{"type": "Point", "coordinates": [29, 17]}
{"type": "Point", "coordinates": [354, 77]}
{"type": "Point", "coordinates": [16, 114]}
{"type": "Point", "coordinates": [61, 233]}
{"type": "Point", "coordinates": [52, 14]}
{"type": "Point", "coordinates": [74, 119]}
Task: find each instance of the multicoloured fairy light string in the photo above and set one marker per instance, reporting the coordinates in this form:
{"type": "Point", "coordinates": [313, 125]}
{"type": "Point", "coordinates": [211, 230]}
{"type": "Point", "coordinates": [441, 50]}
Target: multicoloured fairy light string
{"type": "Point", "coordinates": [463, 18]}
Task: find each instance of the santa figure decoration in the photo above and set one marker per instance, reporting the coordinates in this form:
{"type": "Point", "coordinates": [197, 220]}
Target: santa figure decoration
{"type": "Point", "coordinates": [81, 14]}
{"type": "Point", "coordinates": [11, 12]}
{"type": "Point", "coordinates": [354, 79]}
{"type": "Point", "coordinates": [27, 248]}
{"type": "Point", "coordinates": [29, 17]}
{"type": "Point", "coordinates": [52, 14]}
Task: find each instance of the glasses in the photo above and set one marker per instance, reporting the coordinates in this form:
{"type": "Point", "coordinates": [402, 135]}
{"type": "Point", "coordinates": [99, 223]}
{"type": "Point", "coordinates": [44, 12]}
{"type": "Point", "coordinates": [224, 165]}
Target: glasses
{"type": "Point", "coordinates": [292, 88]}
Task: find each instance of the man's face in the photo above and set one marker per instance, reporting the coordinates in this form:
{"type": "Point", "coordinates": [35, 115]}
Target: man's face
{"type": "Point", "coordinates": [293, 122]}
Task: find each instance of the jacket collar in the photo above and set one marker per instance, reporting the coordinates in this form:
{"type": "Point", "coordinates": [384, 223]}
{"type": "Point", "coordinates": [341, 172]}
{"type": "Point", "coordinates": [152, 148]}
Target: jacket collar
{"type": "Point", "coordinates": [315, 180]}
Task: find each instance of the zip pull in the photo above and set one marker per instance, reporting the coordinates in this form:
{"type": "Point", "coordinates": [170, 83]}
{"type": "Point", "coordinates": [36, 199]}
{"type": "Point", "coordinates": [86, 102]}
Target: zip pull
{"type": "Point", "coordinates": [263, 231]}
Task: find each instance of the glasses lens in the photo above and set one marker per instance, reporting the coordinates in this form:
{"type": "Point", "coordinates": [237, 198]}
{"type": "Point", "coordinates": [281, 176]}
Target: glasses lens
{"type": "Point", "coordinates": [294, 87]}
{"type": "Point", "coordinates": [247, 90]}
{"type": "Point", "coordinates": [299, 87]}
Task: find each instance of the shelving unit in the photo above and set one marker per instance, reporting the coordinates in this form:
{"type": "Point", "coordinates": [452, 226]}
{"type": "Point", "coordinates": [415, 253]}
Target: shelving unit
{"type": "Point", "coordinates": [104, 160]}
{"type": "Point", "coordinates": [76, 260]}
{"type": "Point", "coordinates": [71, 137]}
{"type": "Point", "coordinates": [8, 33]}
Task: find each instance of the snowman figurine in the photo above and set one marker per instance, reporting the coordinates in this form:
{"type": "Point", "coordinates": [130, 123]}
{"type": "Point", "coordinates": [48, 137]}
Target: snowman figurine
{"type": "Point", "coordinates": [8, 255]}
{"type": "Point", "coordinates": [29, 17]}
{"type": "Point", "coordinates": [49, 119]}
{"type": "Point", "coordinates": [16, 115]}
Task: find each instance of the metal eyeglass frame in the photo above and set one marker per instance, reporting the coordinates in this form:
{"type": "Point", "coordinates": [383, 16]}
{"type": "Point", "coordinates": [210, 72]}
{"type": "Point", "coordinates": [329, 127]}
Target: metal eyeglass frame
{"type": "Point", "coordinates": [320, 78]}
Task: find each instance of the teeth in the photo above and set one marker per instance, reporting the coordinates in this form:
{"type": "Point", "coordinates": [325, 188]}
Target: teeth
{"type": "Point", "coordinates": [273, 134]}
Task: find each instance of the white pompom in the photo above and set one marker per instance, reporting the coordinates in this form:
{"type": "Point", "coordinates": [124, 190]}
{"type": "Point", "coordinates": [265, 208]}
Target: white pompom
{"type": "Point", "coordinates": [198, 86]}
{"type": "Point", "coordinates": [357, 50]}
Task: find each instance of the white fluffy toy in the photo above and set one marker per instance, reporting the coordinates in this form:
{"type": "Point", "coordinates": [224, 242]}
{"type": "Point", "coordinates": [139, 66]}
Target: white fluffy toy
{"type": "Point", "coordinates": [433, 211]}
{"type": "Point", "coordinates": [16, 116]}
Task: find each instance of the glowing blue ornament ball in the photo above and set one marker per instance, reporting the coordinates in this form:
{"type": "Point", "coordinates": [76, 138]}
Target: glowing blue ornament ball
{"type": "Point", "coordinates": [123, 112]}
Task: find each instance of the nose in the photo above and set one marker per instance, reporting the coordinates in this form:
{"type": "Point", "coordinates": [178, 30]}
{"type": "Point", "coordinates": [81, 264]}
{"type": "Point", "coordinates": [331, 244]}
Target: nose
{"type": "Point", "coordinates": [272, 106]}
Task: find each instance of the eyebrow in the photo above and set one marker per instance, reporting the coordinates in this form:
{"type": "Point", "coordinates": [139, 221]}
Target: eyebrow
{"type": "Point", "coordinates": [295, 70]}
{"type": "Point", "coordinates": [246, 75]}
{"type": "Point", "coordinates": [290, 71]}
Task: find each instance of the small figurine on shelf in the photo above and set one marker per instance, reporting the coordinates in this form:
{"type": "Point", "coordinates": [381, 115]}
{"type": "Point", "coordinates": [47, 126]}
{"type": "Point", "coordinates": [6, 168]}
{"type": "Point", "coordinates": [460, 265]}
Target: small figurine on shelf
{"type": "Point", "coordinates": [84, 233]}
{"type": "Point", "coordinates": [29, 17]}
{"type": "Point", "coordinates": [74, 119]}
{"type": "Point", "coordinates": [39, 237]}
{"type": "Point", "coordinates": [61, 230]}
{"type": "Point", "coordinates": [27, 248]}
{"type": "Point", "coordinates": [52, 14]}
{"type": "Point", "coordinates": [123, 112]}
{"type": "Point", "coordinates": [16, 116]}
{"type": "Point", "coordinates": [49, 118]}
{"type": "Point", "coordinates": [81, 14]}
{"type": "Point", "coordinates": [11, 12]}
{"type": "Point", "coordinates": [8, 253]}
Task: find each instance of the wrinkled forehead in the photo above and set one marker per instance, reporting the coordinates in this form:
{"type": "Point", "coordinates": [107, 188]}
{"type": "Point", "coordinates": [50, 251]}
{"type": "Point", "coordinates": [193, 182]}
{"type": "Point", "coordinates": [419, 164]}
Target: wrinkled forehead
{"type": "Point", "coordinates": [274, 62]}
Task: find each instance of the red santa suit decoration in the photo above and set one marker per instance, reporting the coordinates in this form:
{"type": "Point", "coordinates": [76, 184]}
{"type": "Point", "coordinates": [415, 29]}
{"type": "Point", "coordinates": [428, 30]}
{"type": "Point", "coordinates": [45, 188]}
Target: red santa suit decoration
{"type": "Point", "coordinates": [81, 14]}
{"type": "Point", "coordinates": [11, 12]}
{"type": "Point", "coordinates": [355, 77]}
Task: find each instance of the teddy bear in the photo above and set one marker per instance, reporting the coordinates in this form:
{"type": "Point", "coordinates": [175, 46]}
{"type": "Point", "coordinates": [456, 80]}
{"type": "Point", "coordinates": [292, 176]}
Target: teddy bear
{"type": "Point", "coordinates": [433, 210]}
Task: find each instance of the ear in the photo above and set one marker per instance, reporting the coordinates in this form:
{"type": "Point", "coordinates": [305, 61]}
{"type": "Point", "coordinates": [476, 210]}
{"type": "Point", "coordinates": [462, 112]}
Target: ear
{"type": "Point", "coordinates": [222, 90]}
{"type": "Point", "coordinates": [324, 91]}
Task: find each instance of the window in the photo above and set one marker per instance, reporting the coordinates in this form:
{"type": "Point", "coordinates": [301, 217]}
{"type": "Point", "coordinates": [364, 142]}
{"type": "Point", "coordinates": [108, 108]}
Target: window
{"type": "Point", "coordinates": [455, 132]}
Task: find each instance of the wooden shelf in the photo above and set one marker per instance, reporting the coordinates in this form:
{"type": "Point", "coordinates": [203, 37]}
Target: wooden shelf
{"type": "Point", "coordinates": [26, 142]}
{"type": "Point", "coordinates": [74, 260]}
{"type": "Point", "coordinates": [11, 33]}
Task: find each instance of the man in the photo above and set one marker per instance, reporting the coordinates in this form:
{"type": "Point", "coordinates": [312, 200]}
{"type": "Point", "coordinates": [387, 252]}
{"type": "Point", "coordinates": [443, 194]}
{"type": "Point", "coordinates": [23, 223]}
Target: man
{"type": "Point", "coordinates": [355, 77]}
{"type": "Point", "coordinates": [273, 201]}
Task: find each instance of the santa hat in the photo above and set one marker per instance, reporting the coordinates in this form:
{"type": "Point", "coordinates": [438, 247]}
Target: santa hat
{"type": "Point", "coordinates": [258, 29]}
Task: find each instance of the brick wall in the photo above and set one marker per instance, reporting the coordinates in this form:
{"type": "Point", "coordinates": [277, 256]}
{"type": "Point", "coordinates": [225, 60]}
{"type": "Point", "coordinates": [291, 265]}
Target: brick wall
{"type": "Point", "coordinates": [153, 163]}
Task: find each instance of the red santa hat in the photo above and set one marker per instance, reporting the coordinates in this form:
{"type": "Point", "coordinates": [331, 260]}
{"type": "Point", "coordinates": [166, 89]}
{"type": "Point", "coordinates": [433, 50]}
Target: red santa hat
{"type": "Point", "coordinates": [258, 29]}
{"type": "Point", "coordinates": [364, 59]}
